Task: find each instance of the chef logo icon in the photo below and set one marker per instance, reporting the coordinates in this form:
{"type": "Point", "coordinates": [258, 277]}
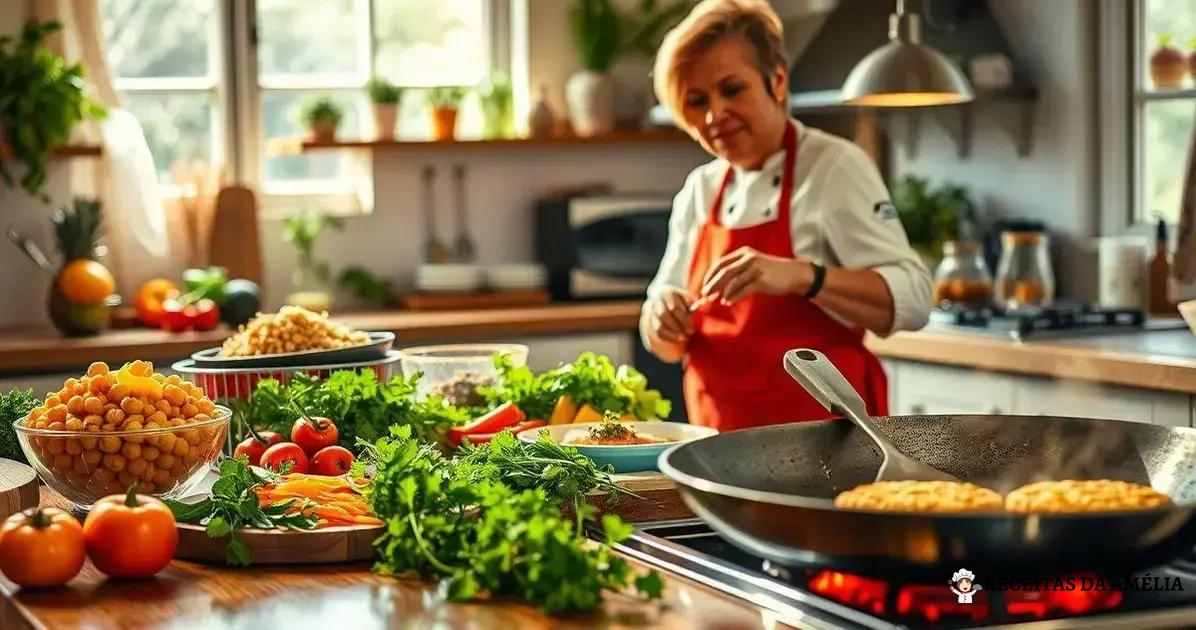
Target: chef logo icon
{"type": "Point", "coordinates": [963, 583]}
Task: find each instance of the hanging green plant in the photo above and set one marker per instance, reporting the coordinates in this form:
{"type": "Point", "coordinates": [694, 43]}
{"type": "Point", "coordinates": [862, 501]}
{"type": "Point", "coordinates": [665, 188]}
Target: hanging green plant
{"type": "Point", "coordinates": [41, 101]}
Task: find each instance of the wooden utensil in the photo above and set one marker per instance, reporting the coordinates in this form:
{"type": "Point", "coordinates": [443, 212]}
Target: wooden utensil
{"type": "Point", "coordinates": [326, 545]}
{"type": "Point", "coordinates": [464, 249]}
{"type": "Point", "coordinates": [434, 250]}
{"type": "Point", "coordinates": [18, 488]}
{"type": "Point", "coordinates": [818, 376]}
{"type": "Point", "coordinates": [233, 243]}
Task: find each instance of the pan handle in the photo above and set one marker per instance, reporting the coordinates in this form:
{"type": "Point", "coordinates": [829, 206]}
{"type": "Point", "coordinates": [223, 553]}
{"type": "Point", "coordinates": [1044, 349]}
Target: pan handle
{"type": "Point", "coordinates": [818, 376]}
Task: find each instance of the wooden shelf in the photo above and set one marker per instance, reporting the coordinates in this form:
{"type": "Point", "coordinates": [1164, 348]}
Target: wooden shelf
{"type": "Point", "coordinates": [621, 138]}
{"type": "Point", "coordinates": [69, 151]}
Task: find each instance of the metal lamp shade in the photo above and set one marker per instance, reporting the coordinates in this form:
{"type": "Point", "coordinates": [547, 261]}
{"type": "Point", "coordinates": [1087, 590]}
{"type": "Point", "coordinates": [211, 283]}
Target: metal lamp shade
{"type": "Point", "coordinates": [905, 74]}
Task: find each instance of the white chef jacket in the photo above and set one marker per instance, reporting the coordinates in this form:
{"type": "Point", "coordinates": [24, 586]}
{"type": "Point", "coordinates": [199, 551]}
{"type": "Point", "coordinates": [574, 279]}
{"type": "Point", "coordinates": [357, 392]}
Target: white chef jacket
{"type": "Point", "coordinates": [840, 216]}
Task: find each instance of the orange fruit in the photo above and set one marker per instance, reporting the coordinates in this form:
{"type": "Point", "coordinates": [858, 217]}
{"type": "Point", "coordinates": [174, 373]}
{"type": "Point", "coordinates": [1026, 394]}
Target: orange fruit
{"type": "Point", "coordinates": [86, 281]}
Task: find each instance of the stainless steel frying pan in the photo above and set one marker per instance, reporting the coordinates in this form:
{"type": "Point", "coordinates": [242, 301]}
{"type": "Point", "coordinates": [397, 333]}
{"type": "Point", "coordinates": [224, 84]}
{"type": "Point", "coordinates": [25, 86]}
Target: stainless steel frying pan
{"type": "Point", "coordinates": [770, 490]}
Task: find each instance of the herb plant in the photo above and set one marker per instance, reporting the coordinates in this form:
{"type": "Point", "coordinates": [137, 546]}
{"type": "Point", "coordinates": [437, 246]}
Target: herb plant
{"type": "Point", "coordinates": [931, 216]}
{"type": "Point", "coordinates": [595, 25]}
{"type": "Point", "coordinates": [41, 101]}
{"type": "Point", "coordinates": [322, 110]}
{"type": "Point", "coordinates": [486, 538]}
{"type": "Point", "coordinates": [445, 97]}
{"type": "Point", "coordinates": [14, 406]}
{"type": "Point", "coordinates": [302, 230]}
{"type": "Point", "coordinates": [591, 379]}
{"type": "Point", "coordinates": [383, 91]}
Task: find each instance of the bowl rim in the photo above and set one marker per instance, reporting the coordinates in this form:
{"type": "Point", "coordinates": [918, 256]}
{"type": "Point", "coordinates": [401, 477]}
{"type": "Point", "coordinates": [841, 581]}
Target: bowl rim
{"type": "Point", "coordinates": [223, 415]}
{"type": "Point", "coordinates": [533, 433]}
{"type": "Point", "coordinates": [478, 351]}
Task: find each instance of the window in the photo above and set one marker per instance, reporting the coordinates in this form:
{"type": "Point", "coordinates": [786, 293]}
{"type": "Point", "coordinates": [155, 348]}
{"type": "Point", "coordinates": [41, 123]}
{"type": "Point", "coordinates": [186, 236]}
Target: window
{"type": "Point", "coordinates": [171, 62]}
{"type": "Point", "coordinates": [164, 58]}
{"type": "Point", "coordinates": [1163, 116]}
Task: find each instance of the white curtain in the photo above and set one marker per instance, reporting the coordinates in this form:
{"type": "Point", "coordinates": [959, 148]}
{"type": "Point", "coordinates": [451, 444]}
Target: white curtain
{"type": "Point", "coordinates": [126, 181]}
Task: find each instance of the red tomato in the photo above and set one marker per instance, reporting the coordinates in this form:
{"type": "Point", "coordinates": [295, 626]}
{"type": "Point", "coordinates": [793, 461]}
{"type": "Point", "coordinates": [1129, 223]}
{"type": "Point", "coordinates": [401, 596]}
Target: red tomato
{"type": "Point", "coordinates": [313, 434]}
{"type": "Point", "coordinates": [130, 536]}
{"type": "Point", "coordinates": [274, 457]}
{"type": "Point", "coordinates": [206, 315]}
{"type": "Point", "coordinates": [253, 446]}
{"type": "Point", "coordinates": [501, 417]}
{"type": "Point", "coordinates": [41, 547]}
{"type": "Point", "coordinates": [331, 461]}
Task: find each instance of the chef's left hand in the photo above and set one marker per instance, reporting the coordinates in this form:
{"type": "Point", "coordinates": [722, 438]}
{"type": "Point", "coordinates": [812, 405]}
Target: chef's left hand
{"type": "Point", "coordinates": [747, 270]}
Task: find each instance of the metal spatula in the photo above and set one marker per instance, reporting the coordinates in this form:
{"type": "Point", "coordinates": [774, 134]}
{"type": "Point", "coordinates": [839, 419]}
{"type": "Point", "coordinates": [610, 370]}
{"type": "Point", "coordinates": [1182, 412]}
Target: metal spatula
{"type": "Point", "coordinates": [818, 376]}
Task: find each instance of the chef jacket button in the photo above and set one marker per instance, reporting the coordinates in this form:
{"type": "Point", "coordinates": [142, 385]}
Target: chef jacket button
{"type": "Point", "coordinates": [776, 180]}
{"type": "Point", "coordinates": [768, 212]}
{"type": "Point", "coordinates": [731, 209]}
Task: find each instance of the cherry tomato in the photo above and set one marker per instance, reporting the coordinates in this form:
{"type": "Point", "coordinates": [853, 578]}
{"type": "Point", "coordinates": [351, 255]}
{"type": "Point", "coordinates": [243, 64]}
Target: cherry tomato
{"type": "Point", "coordinates": [276, 455]}
{"type": "Point", "coordinates": [41, 547]}
{"type": "Point", "coordinates": [253, 446]}
{"type": "Point", "coordinates": [130, 536]}
{"type": "Point", "coordinates": [313, 434]}
{"type": "Point", "coordinates": [331, 461]}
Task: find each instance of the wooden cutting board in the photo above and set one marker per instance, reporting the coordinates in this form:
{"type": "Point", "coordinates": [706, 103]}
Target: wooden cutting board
{"type": "Point", "coordinates": [327, 545]}
{"type": "Point", "coordinates": [18, 488]}
{"type": "Point", "coordinates": [660, 501]}
{"type": "Point", "coordinates": [233, 242]}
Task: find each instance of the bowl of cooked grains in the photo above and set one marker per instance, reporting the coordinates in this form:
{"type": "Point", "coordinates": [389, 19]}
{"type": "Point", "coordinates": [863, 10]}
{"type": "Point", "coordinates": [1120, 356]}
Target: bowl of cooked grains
{"type": "Point", "coordinates": [295, 336]}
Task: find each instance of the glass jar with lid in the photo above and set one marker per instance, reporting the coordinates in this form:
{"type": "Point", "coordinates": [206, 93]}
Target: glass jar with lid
{"type": "Point", "coordinates": [962, 277]}
{"type": "Point", "coordinates": [1024, 276]}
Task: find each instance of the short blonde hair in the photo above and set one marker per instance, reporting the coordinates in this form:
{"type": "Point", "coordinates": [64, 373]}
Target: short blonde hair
{"type": "Point", "coordinates": [708, 23]}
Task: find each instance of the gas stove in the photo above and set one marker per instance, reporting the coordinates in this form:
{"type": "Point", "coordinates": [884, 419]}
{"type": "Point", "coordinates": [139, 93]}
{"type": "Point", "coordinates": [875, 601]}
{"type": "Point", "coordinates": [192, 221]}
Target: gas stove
{"type": "Point", "coordinates": [1063, 319]}
{"type": "Point", "coordinates": [820, 597]}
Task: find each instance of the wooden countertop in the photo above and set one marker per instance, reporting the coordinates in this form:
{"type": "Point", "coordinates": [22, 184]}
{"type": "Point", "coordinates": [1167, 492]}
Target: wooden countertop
{"type": "Point", "coordinates": [1155, 359]}
{"type": "Point", "coordinates": [198, 596]}
{"type": "Point", "coordinates": [24, 350]}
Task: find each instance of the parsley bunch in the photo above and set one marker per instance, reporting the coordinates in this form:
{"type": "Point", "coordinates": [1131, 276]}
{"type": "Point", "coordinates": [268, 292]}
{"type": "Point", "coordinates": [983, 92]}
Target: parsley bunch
{"type": "Point", "coordinates": [450, 520]}
{"type": "Point", "coordinates": [234, 504]}
{"type": "Point", "coordinates": [15, 405]}
{"type": "Point", "coordinates": [360, 406]}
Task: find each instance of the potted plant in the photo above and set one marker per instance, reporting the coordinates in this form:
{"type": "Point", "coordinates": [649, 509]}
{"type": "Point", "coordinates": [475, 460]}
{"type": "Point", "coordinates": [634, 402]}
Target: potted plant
{"type": "Point", "coordinates": [498, 107]}
{"type": "Point", "coordinates": [590, 92]}
{"type": "Point", "coordinates": [311, 280]}
{"type": "Point", "coordinates": [443, 103]}
{"type": "Point", "coordinates": [1168, 65]}
{"type": "Point", "coordinates": [642, 30]}
{"type": "Point", "coordinates": [385, 96]}
{"type": "Point", "coordinates": [933, 216]}
{"type": "Point", "coordinates": [323, 116]}
{"type": "Point", "coordinates": [83, 289]}
{"type": "Point", "coordinates": [38, 88]}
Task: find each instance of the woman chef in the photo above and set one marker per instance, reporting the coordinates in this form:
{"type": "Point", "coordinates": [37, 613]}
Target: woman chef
{"type": "Point", "coordinates": [786, 240]}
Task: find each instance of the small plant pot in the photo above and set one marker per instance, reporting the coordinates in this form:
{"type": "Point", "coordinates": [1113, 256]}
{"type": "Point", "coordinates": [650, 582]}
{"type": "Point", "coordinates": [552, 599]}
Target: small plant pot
{"type": "Point", "coordinates": [323, 131]}
{"type": "Point", "coordinates": [444, 123]}
{"type": "Point", "coordinates": [385, 115]}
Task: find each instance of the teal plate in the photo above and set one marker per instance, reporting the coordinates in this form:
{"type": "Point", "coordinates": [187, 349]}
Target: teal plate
{"type": "Point", "coordinates": [631, 458]}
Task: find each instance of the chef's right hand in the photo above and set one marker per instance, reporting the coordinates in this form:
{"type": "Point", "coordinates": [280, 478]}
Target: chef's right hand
{"type": "Point", "coordinates": [669, 318]}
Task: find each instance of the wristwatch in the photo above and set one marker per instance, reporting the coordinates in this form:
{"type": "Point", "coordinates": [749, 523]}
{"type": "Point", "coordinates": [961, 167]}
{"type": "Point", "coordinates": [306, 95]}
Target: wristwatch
{"type": "Point", "coordinates": [816, 284]}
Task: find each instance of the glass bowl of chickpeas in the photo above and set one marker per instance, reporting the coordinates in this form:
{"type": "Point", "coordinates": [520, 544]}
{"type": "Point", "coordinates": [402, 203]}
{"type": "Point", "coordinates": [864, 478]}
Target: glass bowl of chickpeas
{"type": "Point", "coordinates": [108, 430]}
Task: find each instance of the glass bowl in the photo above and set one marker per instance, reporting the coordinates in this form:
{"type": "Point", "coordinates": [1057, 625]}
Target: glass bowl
{"type": "Point", "coordinates": [86, 466]}
{"type": "Point", "coordinates": [456, 371]}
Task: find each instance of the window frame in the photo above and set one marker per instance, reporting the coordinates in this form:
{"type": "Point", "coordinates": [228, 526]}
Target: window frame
{"type": "Point", "coordinates": [237, 90]}
{"type": "Point", "coordinates": [1123, 93]}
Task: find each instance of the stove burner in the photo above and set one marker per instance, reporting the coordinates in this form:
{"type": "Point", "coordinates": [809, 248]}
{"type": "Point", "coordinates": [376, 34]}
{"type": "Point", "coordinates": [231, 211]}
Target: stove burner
{"type": "Point", "coordinates": [1059, 318]}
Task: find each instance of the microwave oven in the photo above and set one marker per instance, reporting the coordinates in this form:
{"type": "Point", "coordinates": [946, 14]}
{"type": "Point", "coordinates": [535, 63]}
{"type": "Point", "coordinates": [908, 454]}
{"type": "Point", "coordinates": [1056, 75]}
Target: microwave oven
{"type": "Point", "coordinates": [601, 246]}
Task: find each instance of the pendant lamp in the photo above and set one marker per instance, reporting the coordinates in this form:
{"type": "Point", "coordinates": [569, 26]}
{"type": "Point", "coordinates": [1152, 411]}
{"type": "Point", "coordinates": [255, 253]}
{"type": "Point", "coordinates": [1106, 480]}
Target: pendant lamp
{"type": "Point", "coordinates": [904, 72]}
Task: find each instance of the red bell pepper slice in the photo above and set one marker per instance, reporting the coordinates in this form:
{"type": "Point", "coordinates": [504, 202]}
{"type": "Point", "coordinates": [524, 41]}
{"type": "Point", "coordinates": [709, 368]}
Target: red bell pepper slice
{"type": "Point", "coordinates": [501, 417]}
{"type": "Point", "coordinates": [483, 438]}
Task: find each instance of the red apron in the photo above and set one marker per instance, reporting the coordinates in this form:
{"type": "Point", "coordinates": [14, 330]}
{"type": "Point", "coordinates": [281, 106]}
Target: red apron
{"type": "Point", "coordinates": [733, 373]}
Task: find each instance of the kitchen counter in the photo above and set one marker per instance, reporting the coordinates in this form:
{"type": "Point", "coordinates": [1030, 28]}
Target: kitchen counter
{"type": "Point", "coordinates": [197, 596]}
{"type": "Point", "coordinates": [28, 350]}
{"type": "Point", "coordinates": [1158, 360]}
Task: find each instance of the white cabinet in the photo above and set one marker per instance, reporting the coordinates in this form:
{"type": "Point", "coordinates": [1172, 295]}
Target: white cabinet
{"type": "Point", "coordinates": [922, 388]}
{"type": "Point", "coordinates": [1085, 399]}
